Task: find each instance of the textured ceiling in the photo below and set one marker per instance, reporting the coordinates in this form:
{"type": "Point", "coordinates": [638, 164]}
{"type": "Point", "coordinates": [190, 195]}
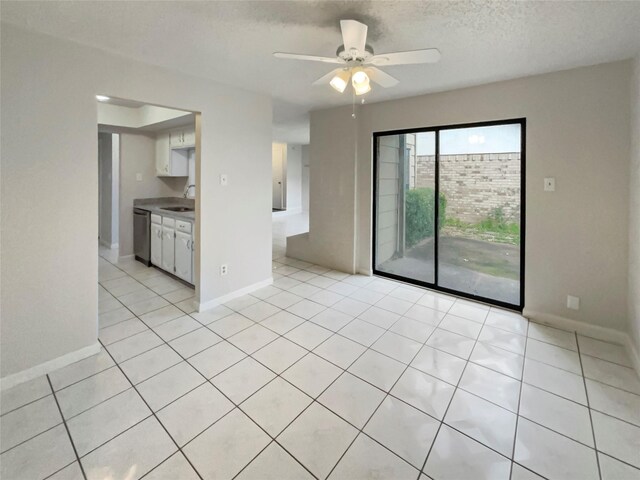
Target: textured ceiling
{"type": "Point", "coordinates": [231, 41]}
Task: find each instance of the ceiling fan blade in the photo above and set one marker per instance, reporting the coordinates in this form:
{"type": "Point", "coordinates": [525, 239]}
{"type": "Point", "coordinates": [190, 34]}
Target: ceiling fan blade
{"type": "Point", "coordinates": [354, 35]}
{"type": "Point", "coordinates": [311, 58]}
{"type": "Point", "coordinates": [429, 55]}
{"type": "Point", "coordinates": [381, 78]}
{"type": "Point", "coordinates": [325, 79]}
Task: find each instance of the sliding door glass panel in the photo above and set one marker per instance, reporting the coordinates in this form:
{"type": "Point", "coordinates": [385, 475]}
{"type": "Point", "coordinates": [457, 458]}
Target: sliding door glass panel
{"type": "Point", "coordinates": [479, 234]}
{"type": "Point", "coordinates": [405, 206]}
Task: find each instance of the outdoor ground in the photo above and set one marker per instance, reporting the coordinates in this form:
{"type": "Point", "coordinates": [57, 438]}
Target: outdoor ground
{"type": "Point", "coordinates": [478, 267]}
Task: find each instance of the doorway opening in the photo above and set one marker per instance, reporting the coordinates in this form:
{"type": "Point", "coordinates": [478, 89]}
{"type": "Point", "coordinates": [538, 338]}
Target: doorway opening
{"type": "Point", "coordinates": [148, 188]}
{"type": "Point", "coordinates": [448, 209]}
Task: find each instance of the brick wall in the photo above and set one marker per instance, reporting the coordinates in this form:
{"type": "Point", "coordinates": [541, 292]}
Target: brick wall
{"type": "Point", "coordinates": [476, 184]}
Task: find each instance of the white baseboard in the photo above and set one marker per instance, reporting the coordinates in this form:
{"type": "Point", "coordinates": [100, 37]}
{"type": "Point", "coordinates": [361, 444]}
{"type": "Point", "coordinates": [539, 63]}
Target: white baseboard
{"type": "Point", "coordinates": [365, 271]}
{"type": "Point", "coordinates": [230, 296]}
{"type": "Point", "coordinates": [588, 330]}
{"type": "Point", "coordinates": [48, 367]}
{"type": "Point", "coordinates": [126, 257]}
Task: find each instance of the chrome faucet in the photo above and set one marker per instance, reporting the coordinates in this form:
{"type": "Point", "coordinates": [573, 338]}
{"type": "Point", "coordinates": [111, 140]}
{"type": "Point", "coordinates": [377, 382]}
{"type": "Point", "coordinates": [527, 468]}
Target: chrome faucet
{"type": "Point", "coordinates": [186, 192]}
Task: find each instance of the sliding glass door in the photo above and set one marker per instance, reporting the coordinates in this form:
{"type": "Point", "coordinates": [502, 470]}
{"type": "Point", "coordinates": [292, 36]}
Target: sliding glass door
{"type": "Point", "coordinates": [448, 209]}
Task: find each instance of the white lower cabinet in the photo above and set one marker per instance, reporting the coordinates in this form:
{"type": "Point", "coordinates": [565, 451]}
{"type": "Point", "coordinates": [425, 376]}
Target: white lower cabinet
{"type": "Point", "coordinates": [156, 244]}
{"type": "Point", "coordinates": [172, 246]}
{"type": "Point", "coordinates": [183, 256]}
{"type": "Point", "coordinates": [168, 248]}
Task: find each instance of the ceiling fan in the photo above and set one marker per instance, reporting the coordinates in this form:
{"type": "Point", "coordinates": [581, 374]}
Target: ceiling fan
{"type": "Point", "coordinates": [358, 62]}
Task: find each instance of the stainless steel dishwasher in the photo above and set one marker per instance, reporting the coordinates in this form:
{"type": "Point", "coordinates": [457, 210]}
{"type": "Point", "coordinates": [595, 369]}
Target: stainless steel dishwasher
{"type": "Point", "coordinates": [141, 236]}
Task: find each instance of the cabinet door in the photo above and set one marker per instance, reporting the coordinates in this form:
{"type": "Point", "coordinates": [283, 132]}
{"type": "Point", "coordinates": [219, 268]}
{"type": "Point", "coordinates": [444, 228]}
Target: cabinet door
{"type": "Point", "coordinates": [156, 244]}
{"type": "Point", "coordinates": [176, 138]}
{"type": "Point", "coordinates": [163, 151]}
{"type": "Point", "coordinates": [168, 250]}
{"type": "Point", "coordinates": [183, 256]}
{"type": "Point", "coordinates": [189, 137]}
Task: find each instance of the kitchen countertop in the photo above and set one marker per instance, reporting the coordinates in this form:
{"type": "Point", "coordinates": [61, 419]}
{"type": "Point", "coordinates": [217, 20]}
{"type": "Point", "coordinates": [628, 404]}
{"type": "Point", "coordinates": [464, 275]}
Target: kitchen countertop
{"type": "Point", "coordinates": [158, 205]}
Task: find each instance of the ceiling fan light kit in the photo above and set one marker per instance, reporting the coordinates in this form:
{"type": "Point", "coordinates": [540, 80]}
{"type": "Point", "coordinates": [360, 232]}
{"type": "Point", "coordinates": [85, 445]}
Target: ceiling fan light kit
{"type": "Point", "coordinates": [359, 63]}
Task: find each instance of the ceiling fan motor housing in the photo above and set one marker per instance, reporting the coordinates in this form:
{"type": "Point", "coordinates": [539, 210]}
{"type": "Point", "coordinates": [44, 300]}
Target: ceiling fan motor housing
{"type": "Point", "coordinates": [353, 54]}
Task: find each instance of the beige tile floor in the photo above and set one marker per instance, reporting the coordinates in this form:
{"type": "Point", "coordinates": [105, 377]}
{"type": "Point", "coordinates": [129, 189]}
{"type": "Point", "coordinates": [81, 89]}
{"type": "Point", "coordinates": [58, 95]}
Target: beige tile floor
{"type": "Point", "coordinates": [323, 375]}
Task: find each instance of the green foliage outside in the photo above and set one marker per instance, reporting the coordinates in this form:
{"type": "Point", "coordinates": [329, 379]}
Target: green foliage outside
{"type": "Point", "coordinates": [494, 228]}
{"type": "Point", "coordinates": [420, 213]}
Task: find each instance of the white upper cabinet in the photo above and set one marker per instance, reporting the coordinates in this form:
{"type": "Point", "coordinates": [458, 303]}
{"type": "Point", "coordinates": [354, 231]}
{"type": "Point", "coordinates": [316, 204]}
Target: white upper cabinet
{"type": "Point", "coordinates": [172, 152]}
{"type": "Point", "coordinates": [182, 138]}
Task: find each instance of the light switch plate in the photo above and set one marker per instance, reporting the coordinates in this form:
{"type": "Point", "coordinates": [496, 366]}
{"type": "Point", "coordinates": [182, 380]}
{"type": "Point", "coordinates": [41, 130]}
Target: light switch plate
{"type": "Point", "coordinates": [138, 177]}
{"type": "Point", "coordinates": [224, 180]}
{"type": "Point", "coordinates": [573, 303]}
{"type": "Point", "coordinates": [550, 184]}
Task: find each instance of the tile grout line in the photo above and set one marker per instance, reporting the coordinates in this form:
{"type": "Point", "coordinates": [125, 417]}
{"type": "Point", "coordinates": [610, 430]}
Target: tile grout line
{"type": "Point", "coordinates": [586, 392]}
{"type": "Point", "coordinates": [515, 431]}
{"type": "Point", "coordinates": [66, 427]}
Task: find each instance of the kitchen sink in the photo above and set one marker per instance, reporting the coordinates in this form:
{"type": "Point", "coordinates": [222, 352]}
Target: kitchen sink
{"type": "Point", "coordinates": [178, 209]}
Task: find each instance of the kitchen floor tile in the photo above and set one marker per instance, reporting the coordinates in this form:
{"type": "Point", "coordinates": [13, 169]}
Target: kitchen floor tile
{"type": "Point", "coordinates": [367, 459]}
{"type": "Point", "coordinates": [352, 399]}
{"type": "Point", "coordinates": [24, 393]}
{"type": "Point", "coordinates": [318, 438]}
{"type": "Point", "coordinates": [553, 455]}
{"type": "Point", "coordinates": [194, 342]}
{"type": "Point", "coordinates": [275, 405]}
{"type": "Point", "coordinates": [424, 392]}
{"type": "Point", "coordinates": [404, 430]}
{"type": "Point", "coordinates": [91, 391]}
{"type": "Point", "coordinates": [439, 364]}
{"type": "Point", "coordinates": [145, 365]}
{"type": "Point", "coordinates": [280, 354]}
{"type": "Point", "coordinates": [39, 457]}
{"type": "Point", "coordinates": [308, 335]}
{"type": "Point", "coordinates": [28, 421]}
{"type": "Point", "coordinates": [377, 369]}
{"type": "Point", "coordinates": [397, 347]}
{"type": "Point", "coordinates": [241, 380]}
{"type": "Point", "coordinates": [163, 388]}
{"type": "Point", "coordinates": [312, 374]}
{"type": "Point", "coordinates": [282, 322]}
{"type": "Point", "coordinates": [556, 413]}
{"type": "Point", "coordinates": [138, 450]}
{"type": "Point", "coordinates": [619, 439]}
{"type": "Point", "coordinates": [226, 447]}
{"type": "Point", "coordinates": [483, 421]}
{"type": "Point", "coordinates": [103, 422]}
{"type": "Point", "coordinates": [274, 463]}
{"type": "Point", "coordinates": [492, 386]}
{"type": "Point", "coordinates": [361, 332]}
{"type": "Point", "coordinates": [194, 412]}
{"type": "Point", "coordinates": [215, 359]}
{"type": "Point", "coordinates": [455, 456]}
{"type": "Point", "coordinates": [614, 402]}
{"type": "Point", "coordinates": [332, 319]}
{"type": "Point", "coordinates": [252, 338]}
{"type": "Point", "coordinates": [340, 351]}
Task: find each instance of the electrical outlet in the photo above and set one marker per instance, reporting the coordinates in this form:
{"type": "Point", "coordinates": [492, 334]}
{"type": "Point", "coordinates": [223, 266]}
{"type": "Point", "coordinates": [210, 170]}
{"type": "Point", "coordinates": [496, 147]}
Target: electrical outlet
{"type": "Point", "coordinates": [224, 179]}
{"type": "Point", "coordinates": [549, 184]}
{"type": "Point", "coordinates": [224, 269]}
{"type": "Point", "coordinates": [573, 302]}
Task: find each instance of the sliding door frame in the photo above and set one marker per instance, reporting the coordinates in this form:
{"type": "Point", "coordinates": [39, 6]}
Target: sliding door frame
{"type": "Point", "coordinates": [437, 129]}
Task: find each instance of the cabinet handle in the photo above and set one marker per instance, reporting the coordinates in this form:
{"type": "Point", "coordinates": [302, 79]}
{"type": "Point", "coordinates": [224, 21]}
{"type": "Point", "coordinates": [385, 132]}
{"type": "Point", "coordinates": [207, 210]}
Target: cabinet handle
{"type": "Point", "coordinates": [188, 244]}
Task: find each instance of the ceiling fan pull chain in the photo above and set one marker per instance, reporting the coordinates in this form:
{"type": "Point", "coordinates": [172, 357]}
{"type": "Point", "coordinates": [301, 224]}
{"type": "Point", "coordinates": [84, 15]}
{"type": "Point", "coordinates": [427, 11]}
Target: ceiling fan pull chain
{"type": "Point", "coordinates": [353, 104]}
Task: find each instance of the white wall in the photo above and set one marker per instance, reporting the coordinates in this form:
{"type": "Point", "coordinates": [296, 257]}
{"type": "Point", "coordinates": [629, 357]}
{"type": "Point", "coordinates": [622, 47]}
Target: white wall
{"type": "Point", "coordinates": [294, 178]}
{"type": "Point", "coordinates": [138, 155]}
{"type": "Point", "coordinates": [49, 187]}
{"type": "Point", "coordinates": [305, 177]}
{"type": "Point", "coordinates": [634, 210]}
{"type": "Point", "coordinates": [577, 131]}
